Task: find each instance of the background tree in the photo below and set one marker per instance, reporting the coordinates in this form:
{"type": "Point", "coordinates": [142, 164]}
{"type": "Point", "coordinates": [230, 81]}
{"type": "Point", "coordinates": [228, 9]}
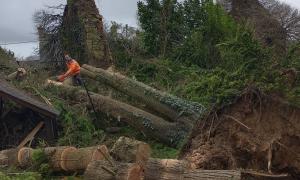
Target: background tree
{"type": "Point", "coordinates": [49, 22]}
{"type": "Point", "coordinates": [149, 19]}
{"type": "Point", "coordinates": [288, 17]}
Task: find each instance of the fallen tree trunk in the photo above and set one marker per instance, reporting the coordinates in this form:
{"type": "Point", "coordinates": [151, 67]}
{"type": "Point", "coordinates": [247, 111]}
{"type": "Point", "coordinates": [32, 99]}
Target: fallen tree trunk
{"type": "Point", "coordinates": [131, 151]}
{"type": "Point", "coordinates": [103, 170]}
{"type": "Point", "coordinates": [67, 159]}
{"type": "Point", "coordinates": [168, 105]}
{"type": "Point", "coordinates": [172, 169]}
{"type": "Point", "coordinates": [166, 132]}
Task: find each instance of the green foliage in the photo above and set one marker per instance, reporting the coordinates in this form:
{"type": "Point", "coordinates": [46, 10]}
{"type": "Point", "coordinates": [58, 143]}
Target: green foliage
{"type": "Point", "coordinates": [162, 151]}
{"type": "Point", "coordinates": [7, 61]}
{"type": "Point", "coordinates": [161, 21]}
{"type": "Point", "coordinates": [40, 162]}
{"type": "Point", "coordinates": [212, 27]}
{"type": "Point", "coordinates": [293, 57]}
{"type": "Point", "coordinates": [125, 43]}
{"type": "Point", "coordinates": [149, 18]}
{"type": "Point", "coordinates": [77, 130]}
{"type": "Point", "coordinates": [21, 176]}
{"type": "Point", "coordinates": [216, 59]}
{"type": "Point", "coordinates": [187, 32]}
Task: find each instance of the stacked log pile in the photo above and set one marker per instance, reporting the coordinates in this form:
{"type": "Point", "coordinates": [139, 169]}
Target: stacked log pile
{"type": "Point", "coordinates": [128, 160]}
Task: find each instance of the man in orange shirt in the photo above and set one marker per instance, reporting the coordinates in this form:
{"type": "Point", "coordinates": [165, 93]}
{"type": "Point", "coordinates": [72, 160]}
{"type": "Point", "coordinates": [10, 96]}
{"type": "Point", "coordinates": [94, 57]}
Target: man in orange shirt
{"type": "Point", "coordinates": [73, 71]}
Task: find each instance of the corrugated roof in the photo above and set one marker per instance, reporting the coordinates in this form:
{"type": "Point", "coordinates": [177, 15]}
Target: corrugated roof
{"type": "Point", "coordinates": [10, 92]}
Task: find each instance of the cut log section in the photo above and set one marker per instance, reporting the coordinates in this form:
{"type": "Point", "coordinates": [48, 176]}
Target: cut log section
{"type": "Point", "coordinates": [165, 169]}
{"type": "Point", "coordinates": [103, 170]}
{"type": "Point", "coordinates": [131, 151]}
{"type": "Point", "coordinates": [170, 133]}
{"type": "Point", "coordinates": [54, 154]}
{"type": "Point", "coordinates": [168, 105]}
{"type": "Point", "coordinates": [78, 159]}
{"type": "Point", "coordinates": [25, 157]}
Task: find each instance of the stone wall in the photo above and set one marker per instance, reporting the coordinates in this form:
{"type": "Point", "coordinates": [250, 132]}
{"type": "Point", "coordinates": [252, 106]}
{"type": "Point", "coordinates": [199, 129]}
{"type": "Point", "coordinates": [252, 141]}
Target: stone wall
{"type": "Point", "coordinates": [83, 35]}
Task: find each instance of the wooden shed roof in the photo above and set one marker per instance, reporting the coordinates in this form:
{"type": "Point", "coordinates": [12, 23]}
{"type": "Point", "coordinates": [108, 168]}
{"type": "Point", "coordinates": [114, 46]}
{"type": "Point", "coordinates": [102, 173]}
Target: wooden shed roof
{"type": "Point", "coordinates": [10, 92]}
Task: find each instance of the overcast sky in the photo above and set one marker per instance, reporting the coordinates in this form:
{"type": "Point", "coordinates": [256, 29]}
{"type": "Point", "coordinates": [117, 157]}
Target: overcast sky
{"type": "Point", "coordinates": [16, 24]}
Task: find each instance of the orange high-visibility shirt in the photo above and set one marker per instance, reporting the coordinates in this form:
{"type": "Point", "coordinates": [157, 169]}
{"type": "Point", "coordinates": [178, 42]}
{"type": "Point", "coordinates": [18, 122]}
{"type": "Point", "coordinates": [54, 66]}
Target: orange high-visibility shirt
{"type": "Point", "coordinates": [73, 69]}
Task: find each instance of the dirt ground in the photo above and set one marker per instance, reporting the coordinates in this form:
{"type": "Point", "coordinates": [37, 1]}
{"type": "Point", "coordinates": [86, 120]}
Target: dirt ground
{"type": "Point", "coordinates": [256, 132]}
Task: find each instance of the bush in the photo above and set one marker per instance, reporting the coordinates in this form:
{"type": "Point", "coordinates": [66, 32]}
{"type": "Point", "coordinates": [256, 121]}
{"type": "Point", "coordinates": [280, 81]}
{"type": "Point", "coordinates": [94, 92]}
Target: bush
{"type": "Point", "coordinates": [77, 130]}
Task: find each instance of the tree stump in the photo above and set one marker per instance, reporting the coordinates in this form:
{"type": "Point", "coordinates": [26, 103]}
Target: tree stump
{"type": "Point", "coordinates": [131, 151]}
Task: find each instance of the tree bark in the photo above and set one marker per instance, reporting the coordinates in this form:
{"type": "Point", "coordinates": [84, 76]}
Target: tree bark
{"type": "Point", "coordinates": [212, 175]}
{"type": "Point", "coordinates": [131, 151]}
{"type": "Point", "coordinates": [171, 169]}
{"type": "Point", "coordinates": [103, 170]}
{"type": "Point", "coordinates": [170, 133]}
{"type": "Point", "coordinates": [168, 105]}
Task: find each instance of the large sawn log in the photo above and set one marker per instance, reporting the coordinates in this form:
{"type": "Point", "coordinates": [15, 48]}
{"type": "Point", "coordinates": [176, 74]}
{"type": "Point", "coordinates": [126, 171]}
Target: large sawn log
{"type": "Point", "coordinates": [170, 133]}
{"type": "Point", "coordinates": [166, 104]}
{"type": "Point", "coordinates": [103, 170]}
{"type": "Point", "coordinates": [172, 169]}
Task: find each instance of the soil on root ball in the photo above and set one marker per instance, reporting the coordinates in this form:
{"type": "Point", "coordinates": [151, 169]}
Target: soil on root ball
{"type": "Point", "coordinates": [254, 131]}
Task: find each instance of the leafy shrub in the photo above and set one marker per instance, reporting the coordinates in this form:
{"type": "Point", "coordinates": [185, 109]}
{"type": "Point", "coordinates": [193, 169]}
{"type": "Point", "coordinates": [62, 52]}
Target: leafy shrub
{"type": "Point", "coordinates": [77, 131]}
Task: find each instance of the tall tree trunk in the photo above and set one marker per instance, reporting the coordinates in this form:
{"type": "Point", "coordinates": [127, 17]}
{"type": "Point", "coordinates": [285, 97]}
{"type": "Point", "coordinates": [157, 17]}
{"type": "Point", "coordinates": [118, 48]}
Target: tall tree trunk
{"type": "Point", "coordinates": [168, 105]}
{"type": "Point", "coordinates": [170, 133]}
